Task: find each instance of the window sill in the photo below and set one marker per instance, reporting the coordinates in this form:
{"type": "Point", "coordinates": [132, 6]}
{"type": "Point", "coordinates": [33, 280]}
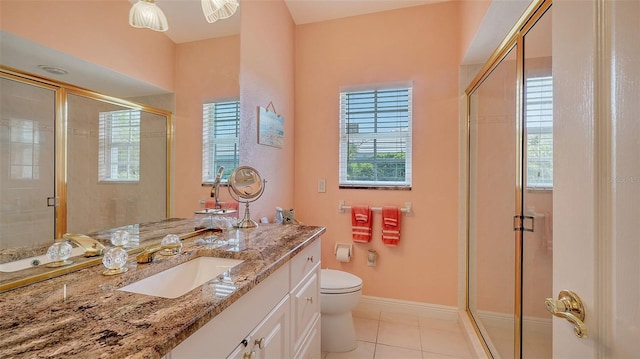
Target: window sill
{"type": "Point", "coordinates": [392, 188]}
{"type": "Point", "coordinates": [539, 189]}
{"type": "Point", "coordinates": [210, 184]}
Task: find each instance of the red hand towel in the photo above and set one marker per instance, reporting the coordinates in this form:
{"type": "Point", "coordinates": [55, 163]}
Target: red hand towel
{"type": "Point", "coordinates": [361, 223]}
{"type": "Point", "coordinates": [390, 226]}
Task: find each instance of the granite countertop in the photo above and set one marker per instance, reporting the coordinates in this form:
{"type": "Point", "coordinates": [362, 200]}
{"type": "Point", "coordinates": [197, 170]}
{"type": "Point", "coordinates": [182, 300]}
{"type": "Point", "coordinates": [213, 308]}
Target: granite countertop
{"type": "Point", "coordinates": [98, 321]}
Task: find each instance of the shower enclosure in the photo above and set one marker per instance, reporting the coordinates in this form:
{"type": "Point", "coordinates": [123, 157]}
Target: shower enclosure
{"type": "Point", "coordinates": [510, 191]}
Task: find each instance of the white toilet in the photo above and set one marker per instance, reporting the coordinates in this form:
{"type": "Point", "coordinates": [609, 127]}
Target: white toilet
{"type": "Point", "coordinates": [339, 293]}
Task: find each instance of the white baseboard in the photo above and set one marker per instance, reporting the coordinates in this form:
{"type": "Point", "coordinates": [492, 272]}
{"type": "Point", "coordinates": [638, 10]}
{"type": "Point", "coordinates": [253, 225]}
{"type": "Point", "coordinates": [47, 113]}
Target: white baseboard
{"type": "Point", "coordinates": [379, 304]}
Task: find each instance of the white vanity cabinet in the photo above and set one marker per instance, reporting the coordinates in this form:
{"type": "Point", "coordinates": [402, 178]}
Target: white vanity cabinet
{"type": "Point", "coordinates": [279, 318]}
{"type": "Point", "coordinates": [305, 302]}
{"type": "Point", "coordinates": [270, 339]}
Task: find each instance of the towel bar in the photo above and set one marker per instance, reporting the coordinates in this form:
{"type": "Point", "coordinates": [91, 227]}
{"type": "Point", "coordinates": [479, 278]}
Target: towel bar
{"type": "Point", "coordinates": [406, 210]}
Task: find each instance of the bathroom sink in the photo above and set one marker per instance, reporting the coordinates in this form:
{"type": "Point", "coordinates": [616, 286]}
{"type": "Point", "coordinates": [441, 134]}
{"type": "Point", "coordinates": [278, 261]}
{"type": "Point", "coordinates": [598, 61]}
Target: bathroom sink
{"type": "Point", "coordinates": [179, 280]}
{"type": "Point", "coordinates": [32, 262]}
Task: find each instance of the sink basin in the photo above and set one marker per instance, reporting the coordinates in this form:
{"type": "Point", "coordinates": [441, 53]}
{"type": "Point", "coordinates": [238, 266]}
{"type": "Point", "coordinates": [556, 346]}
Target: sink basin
{"type": "Point", "coordinates": [180, 279]}
{"type": "Point", "coordinates": [32, 262]}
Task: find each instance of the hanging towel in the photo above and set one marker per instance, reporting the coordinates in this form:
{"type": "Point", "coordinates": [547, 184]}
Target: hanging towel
{"type": "Point", "coordinates": [361, 223]}
{"type": "Point", "coordinates": [390, 226]}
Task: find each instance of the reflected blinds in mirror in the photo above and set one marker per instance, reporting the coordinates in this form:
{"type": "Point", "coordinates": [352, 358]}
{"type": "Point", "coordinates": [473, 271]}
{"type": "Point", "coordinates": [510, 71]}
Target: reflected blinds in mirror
{"type": "Point", "coordinates": [119, 146]}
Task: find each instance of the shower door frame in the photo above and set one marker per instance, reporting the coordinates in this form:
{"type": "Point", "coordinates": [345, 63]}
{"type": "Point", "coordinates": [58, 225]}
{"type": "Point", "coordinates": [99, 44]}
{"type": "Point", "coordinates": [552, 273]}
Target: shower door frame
{"type": "Point", "coordinates": [513, 40]}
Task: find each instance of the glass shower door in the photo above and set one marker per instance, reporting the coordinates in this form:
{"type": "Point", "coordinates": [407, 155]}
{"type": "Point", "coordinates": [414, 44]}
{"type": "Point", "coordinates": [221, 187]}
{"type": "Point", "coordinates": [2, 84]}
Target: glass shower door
{"type": "Point", "coordinates": [537, 254]}
{"type": "Point", "coordinates": [492, 204]}
{"type": "Point", "coordinates": [27, 170]}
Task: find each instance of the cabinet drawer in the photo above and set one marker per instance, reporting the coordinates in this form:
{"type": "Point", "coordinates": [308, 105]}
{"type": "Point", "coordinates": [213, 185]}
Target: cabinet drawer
{"type": "Point", "coordinates": [306, 307]}
{"type": "Point", "coordinates": [304, 262]}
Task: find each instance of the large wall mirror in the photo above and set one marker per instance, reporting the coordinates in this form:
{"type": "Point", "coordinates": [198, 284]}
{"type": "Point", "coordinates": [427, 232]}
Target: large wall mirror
{"type": "Point", "coordinates": [77, 161]}
{"type": "Point", "coordinates": [65, 166]}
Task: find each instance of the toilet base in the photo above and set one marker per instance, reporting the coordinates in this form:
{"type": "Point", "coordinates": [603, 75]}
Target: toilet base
{"type": "Point", "coordinates": [338, 333]}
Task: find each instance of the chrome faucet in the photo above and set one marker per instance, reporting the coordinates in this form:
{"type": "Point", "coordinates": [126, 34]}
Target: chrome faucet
{"type": "Point", "coordinates": [92, 248]}
{"type": "Point", "coordinates": [216, 186]}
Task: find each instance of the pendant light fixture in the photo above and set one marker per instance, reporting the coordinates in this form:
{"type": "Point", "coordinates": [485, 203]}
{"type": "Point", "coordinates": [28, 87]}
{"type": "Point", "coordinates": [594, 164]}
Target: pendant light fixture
{"type": "Point", "coordinates": [215, 10]}
{"type": "Point", "coordinates": [146, 14]}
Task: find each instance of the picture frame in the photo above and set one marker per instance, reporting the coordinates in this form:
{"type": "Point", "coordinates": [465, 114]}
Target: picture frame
{"type": "Point", "coordinates": [270, 128]}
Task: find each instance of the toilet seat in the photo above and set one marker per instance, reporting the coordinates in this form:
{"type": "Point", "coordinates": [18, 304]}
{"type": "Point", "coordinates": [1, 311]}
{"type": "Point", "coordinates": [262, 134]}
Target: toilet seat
{"type": "Point", "coordinates": [338, 282]}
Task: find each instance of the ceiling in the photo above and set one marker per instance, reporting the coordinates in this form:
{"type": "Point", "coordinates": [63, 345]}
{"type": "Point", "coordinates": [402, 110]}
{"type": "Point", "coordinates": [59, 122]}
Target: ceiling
{"type": "Point", "coordinates": [187, 23]}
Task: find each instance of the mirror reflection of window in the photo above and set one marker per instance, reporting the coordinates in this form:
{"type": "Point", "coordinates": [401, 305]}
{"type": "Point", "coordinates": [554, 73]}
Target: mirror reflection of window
{"type": "Point", "coordinates": [220, 139]}
{"type": "Point", "coordinates": [119, 146]}
{"type": "Point", "coordinates": [25, 149]}
{"type": "Point", "coordinates": [539, 126]}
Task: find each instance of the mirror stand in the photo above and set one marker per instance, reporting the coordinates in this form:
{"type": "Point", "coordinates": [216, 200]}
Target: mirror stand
{"type": "Point", "coordinates": [247, 222]}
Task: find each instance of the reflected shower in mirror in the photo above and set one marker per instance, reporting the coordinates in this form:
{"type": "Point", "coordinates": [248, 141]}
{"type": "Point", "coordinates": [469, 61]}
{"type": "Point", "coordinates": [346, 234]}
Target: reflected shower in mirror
{"type": "Point", "coordinates": [116, 172]}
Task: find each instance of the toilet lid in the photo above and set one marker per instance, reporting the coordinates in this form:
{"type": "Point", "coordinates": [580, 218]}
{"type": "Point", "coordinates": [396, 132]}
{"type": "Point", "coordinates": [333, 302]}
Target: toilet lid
{"type": "Point", "coordinates": [335, 281]}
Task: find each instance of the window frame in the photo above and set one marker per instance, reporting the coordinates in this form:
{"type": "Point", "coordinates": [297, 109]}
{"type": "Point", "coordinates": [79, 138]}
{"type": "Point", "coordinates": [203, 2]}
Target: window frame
{"type": "Point", "coordinates": [209, 141]}
{"type": "Point", "coordinates": [401, 138]}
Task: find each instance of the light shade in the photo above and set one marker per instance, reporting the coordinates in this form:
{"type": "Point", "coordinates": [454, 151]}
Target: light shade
{"type": "Point", "coordinates": [215, 10]}
{"type": "Point", "coordinates": [146, 14]}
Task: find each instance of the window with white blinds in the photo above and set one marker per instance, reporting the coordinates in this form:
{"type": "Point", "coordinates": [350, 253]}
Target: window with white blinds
{"type": "Point", "coordinates": [539, 130]}
{"type": "Point", "coordinates": [375, 138]}
{"type": "Point", "coordinates": [220, 140]}
{"type": "Point", "coordinates": [119, 146]}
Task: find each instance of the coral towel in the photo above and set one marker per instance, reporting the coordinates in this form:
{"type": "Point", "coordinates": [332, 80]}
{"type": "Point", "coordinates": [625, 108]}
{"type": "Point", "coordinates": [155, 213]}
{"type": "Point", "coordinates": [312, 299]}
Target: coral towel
{"type": "Point", "coordinates": [390, 226]}
{"type": "Point", "coordinates": [361, 223]}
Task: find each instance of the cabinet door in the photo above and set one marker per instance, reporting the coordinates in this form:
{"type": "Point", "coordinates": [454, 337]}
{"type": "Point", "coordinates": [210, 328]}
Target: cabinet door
{"type": "Point", "coordinates": [311, 348]}
{"type": "Point", "coordinates": [305, 307]}
{"type": "Point", "coordinates": [270, 339]}
{"type": "Point", "coordinates": [241, 352]}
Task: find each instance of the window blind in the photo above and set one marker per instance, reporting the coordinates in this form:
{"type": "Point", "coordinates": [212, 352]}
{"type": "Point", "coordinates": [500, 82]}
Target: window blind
{"type": "Point", "coordinates": [375, 138]}
{"type": "Point", "coordinates": [119, 146]}
{"type": "Point", "coordinates": [539, 131]}
{"type": "Point", "coordinates": [220, 138]}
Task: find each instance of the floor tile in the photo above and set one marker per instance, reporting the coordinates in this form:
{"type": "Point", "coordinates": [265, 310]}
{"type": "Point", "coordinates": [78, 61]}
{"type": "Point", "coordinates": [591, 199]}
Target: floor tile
{"type": "Point", "coordinates": [399, 335]}
{"type": "Point", "coordinates": [443, 342]}
{"type": "Point", "coordinates": [440, 324]}
{"type": "Point", "coordinates": [364, 350]}
{"type": "Point", "coordinates": [366, 329]}
{"type": "Point", "coordinates": [389, 352]}
{"type": "Point", "coordinates": [399, 318]}
{"type": "Point", "coordinates": [366, 313]}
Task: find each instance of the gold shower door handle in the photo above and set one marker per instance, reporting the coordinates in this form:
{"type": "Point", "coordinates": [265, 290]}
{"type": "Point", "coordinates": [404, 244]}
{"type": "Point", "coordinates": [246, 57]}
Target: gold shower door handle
{"type": "Point", "coordinates": [569, 306]}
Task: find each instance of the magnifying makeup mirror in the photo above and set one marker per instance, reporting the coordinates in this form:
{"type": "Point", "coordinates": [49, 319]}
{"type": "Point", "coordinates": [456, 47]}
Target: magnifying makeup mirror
{"type": "Point", "coordinates": [246, 186]}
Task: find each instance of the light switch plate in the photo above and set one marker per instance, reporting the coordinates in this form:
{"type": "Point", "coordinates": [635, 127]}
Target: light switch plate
{"type": "Point", "coordinates": [322, 186]}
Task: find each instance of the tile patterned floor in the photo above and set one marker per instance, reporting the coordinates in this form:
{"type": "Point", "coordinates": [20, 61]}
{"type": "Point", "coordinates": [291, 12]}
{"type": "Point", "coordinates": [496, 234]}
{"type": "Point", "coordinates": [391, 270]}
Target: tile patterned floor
{"type": "Point", "coordinates": [383, 335]}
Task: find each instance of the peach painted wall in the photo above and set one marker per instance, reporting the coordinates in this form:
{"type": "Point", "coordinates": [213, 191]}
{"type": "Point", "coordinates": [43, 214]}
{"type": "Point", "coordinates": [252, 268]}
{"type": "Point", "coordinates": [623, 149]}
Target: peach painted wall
{"type": "Point", "coordinates": [471, 15]}
{"type": "Point", "coordinates": [205, 70]}
{"type": "Point", "coordinates": [419, 44]}
{"type": "Point", "coordinates": [64, 25]}
{"type": "Point", "coordinates": [267, 76]}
